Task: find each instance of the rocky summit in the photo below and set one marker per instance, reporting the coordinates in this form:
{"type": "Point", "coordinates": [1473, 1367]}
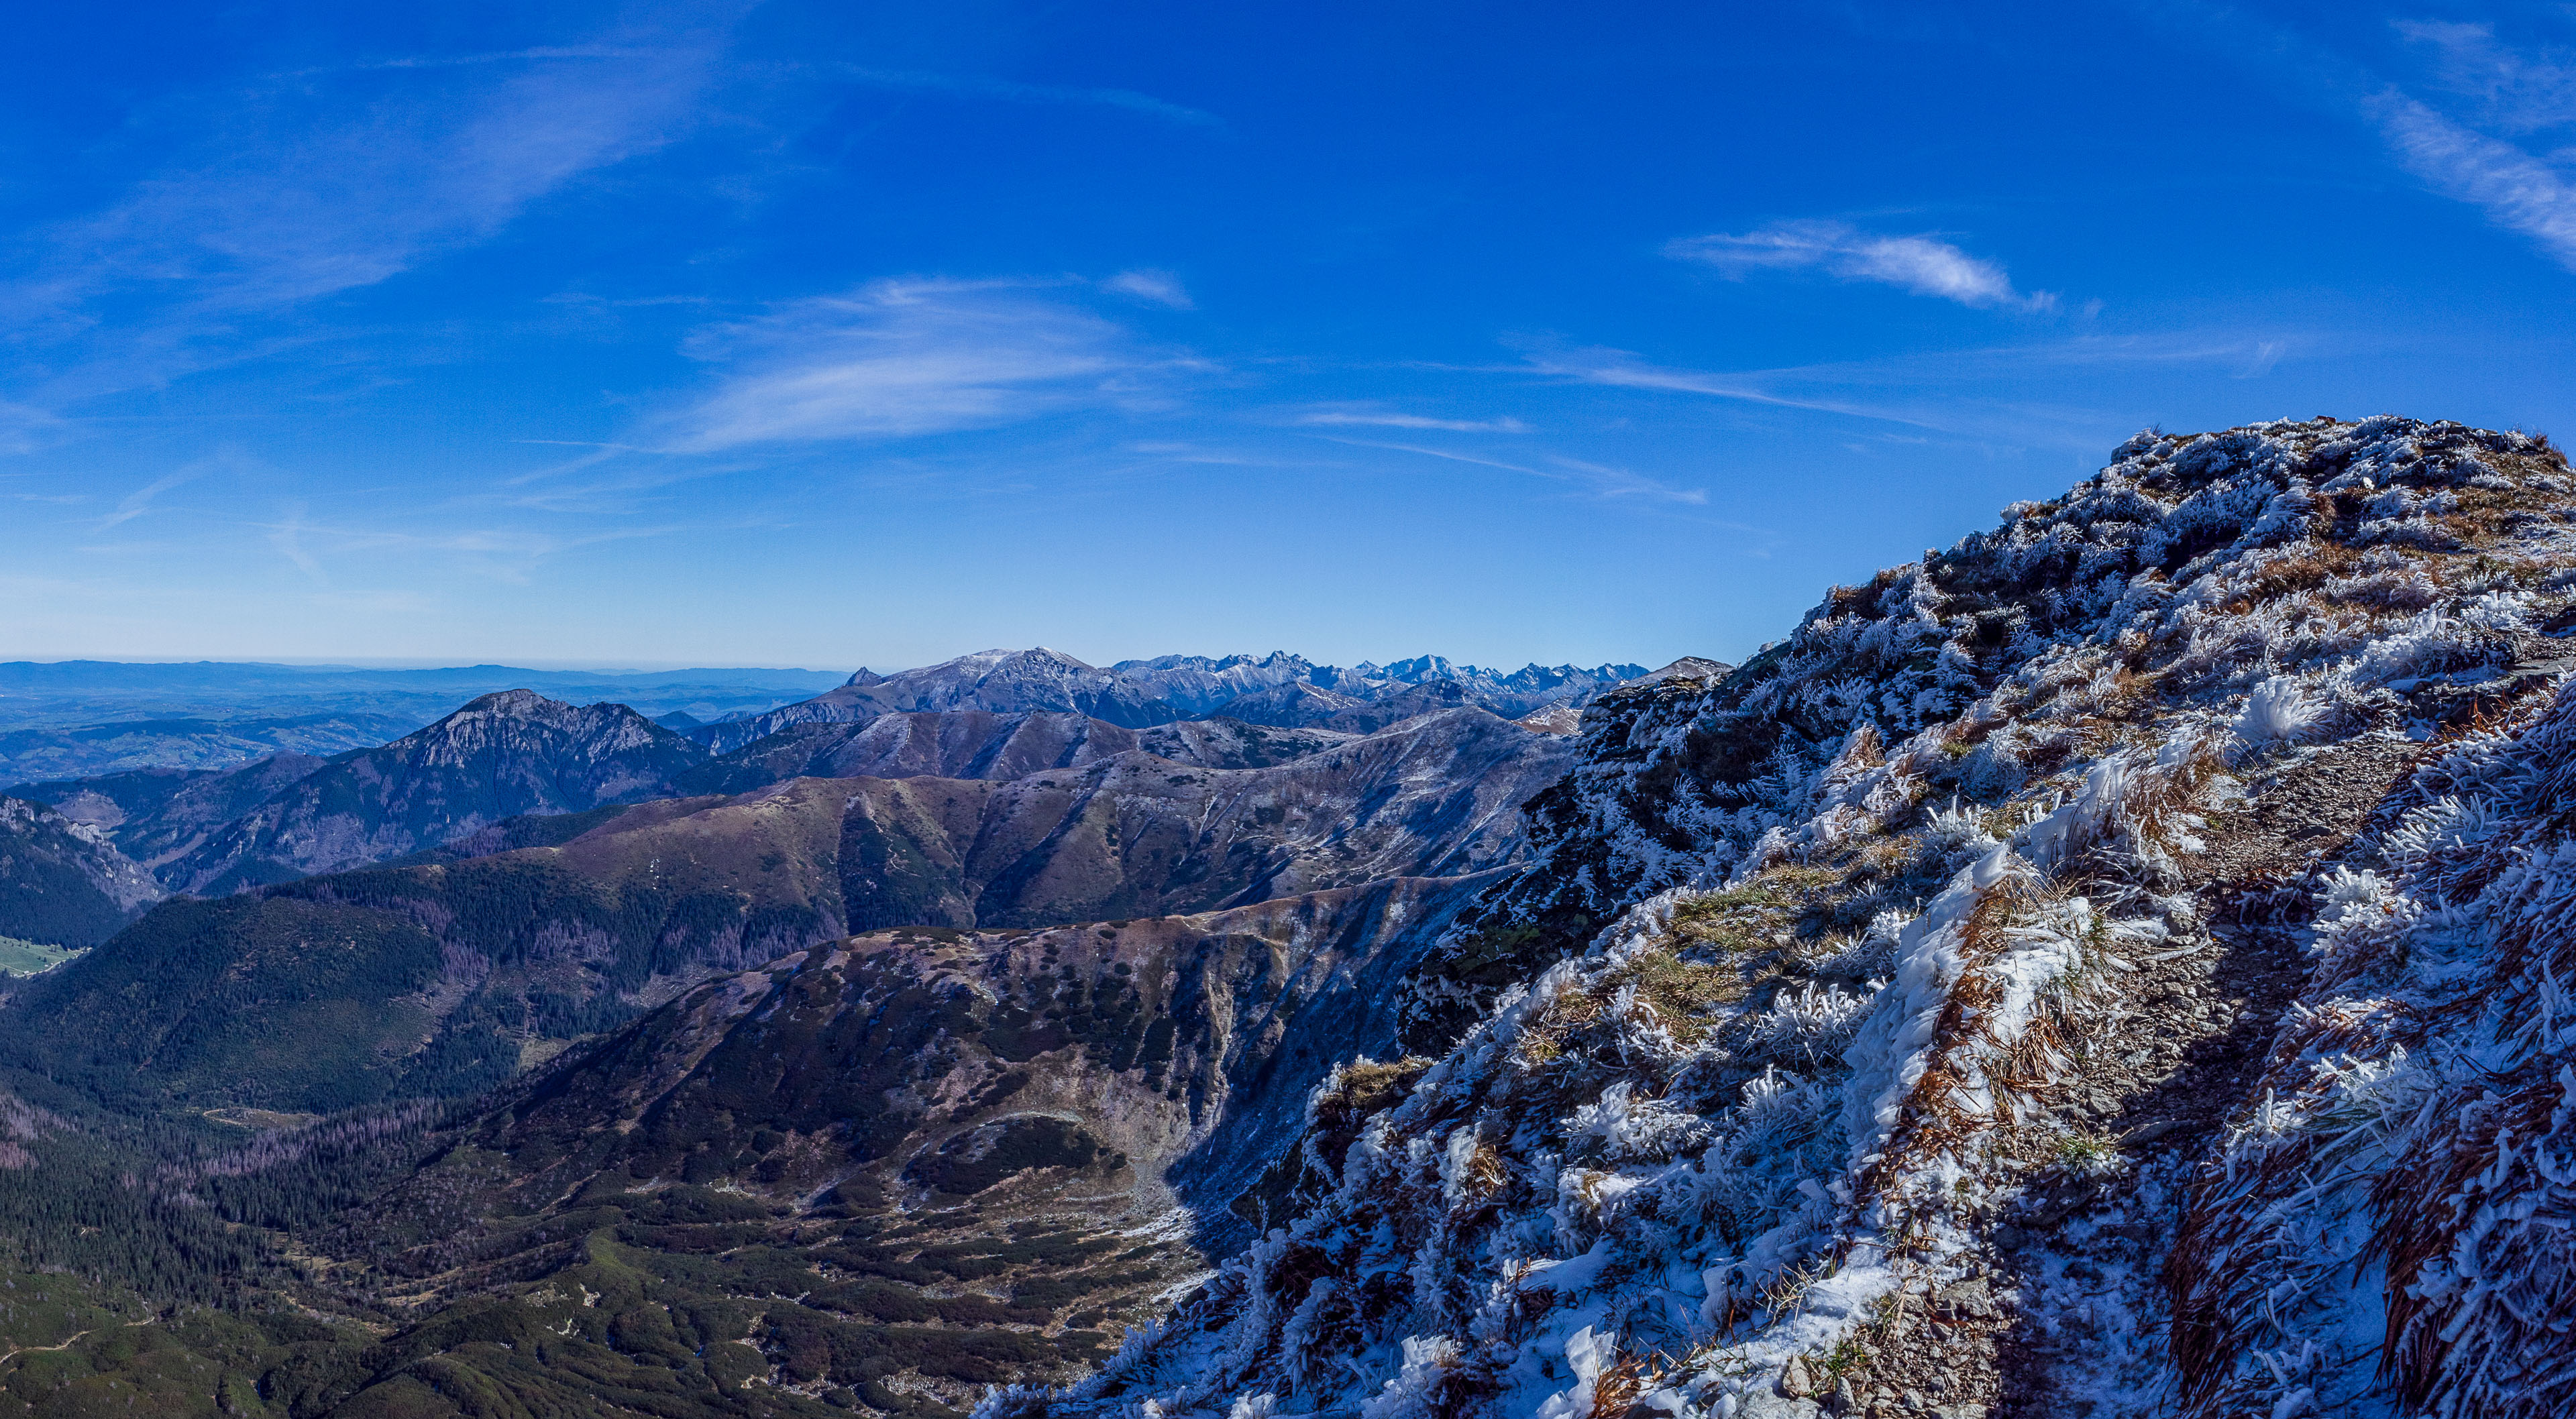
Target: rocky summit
{"type": "Point", "coordinates": [2108, 967]}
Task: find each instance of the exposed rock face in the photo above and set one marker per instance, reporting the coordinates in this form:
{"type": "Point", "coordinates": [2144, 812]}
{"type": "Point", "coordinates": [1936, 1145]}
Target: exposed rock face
{"type": "Point", "coordinates": [1224, 742]}
{"type": "Point", "coordinates": [2104, 968]}
{"type": "Point", "coordinates": [1292, 704]}
{"type": "Point", "coordinates": [500, 756]}
{"type": "Point", "coordinates": [61, 882]}
{"type": "Point", "coordinates": [954, 744]}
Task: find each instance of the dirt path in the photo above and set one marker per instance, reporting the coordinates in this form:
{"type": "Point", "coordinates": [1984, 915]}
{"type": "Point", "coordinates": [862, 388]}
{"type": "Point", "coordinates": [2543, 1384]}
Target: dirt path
{"type": "Point", "coordinates": [15, 1351]}
{"type": "Point", "coordinates": [2166, 1057]}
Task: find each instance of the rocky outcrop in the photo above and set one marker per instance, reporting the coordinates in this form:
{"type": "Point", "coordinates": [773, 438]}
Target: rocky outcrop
{"type": "Point", "coordinates": [61, 882]}
{"type": "Point", "coordinates": [160, 816]}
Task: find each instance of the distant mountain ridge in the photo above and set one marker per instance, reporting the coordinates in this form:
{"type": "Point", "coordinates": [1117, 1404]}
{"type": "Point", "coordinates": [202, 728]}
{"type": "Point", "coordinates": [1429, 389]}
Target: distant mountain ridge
{"type": "Point", "coordinates": [430, 976]}
{"type": "Point", "coordinates": [517, 769]}
{"type": "Point", "coordinates": [501, 756]}
{"type": "Point", "coordinates": [980, 744]}
{"type": "Point", "coordinates": [1277, 689]}
{"type": "Point", "coordinates": [82, 718]}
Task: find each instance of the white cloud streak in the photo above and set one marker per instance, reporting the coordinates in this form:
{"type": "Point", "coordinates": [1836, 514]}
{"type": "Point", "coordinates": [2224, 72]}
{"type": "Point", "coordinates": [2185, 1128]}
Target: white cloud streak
{"type": "Point", "coordinates": [1921, 265]}
{"type": "Point", "coordinates": [1620, 369]}
{"type": "Point", "coordinates": [295, 195]}
{"type": "Point", "coordinates": [904, 358]}
{"type": "Point", "coordinates": [507, 554]}
{"type": "Point", "coordinates": [2518, 191]}
{"type": "Point", "coordinates": [1160, 287]}
{"type": "Point", "coordinates": [288, 538]}
{"type": "Point", "coordinates": [139, 502]}
{"type": "Point", "coordinates": [1594, 478]}
{"type": "Point", "coordinates": [1355, 417]}
{"type": "Point", "coordinates": [1007, 91]}
{"type": "Point", "coordinates": [2515, 92]}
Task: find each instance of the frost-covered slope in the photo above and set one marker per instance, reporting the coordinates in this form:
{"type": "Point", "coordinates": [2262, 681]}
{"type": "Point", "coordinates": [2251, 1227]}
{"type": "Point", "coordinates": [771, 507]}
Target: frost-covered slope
{"type": "Point", "coordinates": [2116, 966]}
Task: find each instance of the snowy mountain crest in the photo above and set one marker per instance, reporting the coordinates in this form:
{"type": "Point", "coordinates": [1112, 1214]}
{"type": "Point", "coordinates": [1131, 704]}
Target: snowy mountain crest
{"type": "Point", "coordinates": [2113, 966]}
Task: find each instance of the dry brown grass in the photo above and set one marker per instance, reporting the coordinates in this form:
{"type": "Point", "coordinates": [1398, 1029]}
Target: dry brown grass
{"type": "Point", "coordinates": [1680, 992]}
{"type": "Point", "coordinates": [1788, 1290]}
{"type": "Point", "coordinates": [2304, 572]}
{"type": "Point", "coordinates": [1485, 1176]}
{"type": "Point", "coordinates": [1543, 1038]}
{"type": "Point", "coordinates": [1619, 1384]}
{"type": "Point", "coordinates": [1936, 1116]}
{"type": "Point", "coordinates": [1367, 1087]}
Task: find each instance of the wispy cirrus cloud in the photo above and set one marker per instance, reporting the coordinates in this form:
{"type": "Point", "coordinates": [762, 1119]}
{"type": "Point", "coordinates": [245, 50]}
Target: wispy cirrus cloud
{"type": "Point", "coordinates": [302, 192]}
{"type": "Point", "coordinates": [1365, 416]}
{"type": "Point", "coordinates": [2002, 394]}
{"type": "Point", "coordinates": [1009, 91]}
{"type": "Point", "coordinates": [2442, 123]}
{"type": "Point", "coordinates": [1160, 287]}
{"type": "Point", "coordinates": [508, 554]}
{"type": "Point", "coordinates": [1922, 265]}
{"type": "Point", "coordinates": [139, 502]}
{"type": "Point", "coordinates": [1625, 370]}
{"type": "Point", "coordinates": [902, 358]}
{"type": "Point", "coordinates": [503, 56]}
{"type": "Point", "coordinates": [2512, 92]}
{"type": "Point", "coordinates": [1599, 480]}
{"type": "Point", "coordinates": [2515, 91]}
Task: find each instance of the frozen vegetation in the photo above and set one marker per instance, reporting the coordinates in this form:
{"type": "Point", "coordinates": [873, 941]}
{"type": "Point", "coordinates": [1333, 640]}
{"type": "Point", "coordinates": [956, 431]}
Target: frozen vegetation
{"type": "Point", "coordinates": [2120, 965]}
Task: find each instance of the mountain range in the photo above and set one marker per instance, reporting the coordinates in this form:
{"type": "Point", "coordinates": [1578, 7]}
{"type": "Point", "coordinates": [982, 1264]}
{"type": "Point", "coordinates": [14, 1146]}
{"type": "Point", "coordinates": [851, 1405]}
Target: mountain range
{"type": "Point", "coordinates": [70, 719]}
{"type": "Point", "coordinates": [518, 754]}
{"type": "Point", "coordinates": [1278, 689]}
{"type": "Point", "coordinates": [526, 933]}
{"type": "Point", "coordinates": [74, 719]}
{"type": "Point", "coordinates": [553, 873]}
{"type": "Point", "coordinates": [2114, 965]}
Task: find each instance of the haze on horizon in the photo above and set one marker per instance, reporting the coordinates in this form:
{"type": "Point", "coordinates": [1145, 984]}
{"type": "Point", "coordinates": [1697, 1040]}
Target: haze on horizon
{"type": "Point", "coordinates": [798, 335]}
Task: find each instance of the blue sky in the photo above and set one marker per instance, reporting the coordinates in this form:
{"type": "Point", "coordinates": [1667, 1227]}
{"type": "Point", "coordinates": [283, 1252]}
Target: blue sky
{"type": "Point", "coordinates": [814, 334]}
